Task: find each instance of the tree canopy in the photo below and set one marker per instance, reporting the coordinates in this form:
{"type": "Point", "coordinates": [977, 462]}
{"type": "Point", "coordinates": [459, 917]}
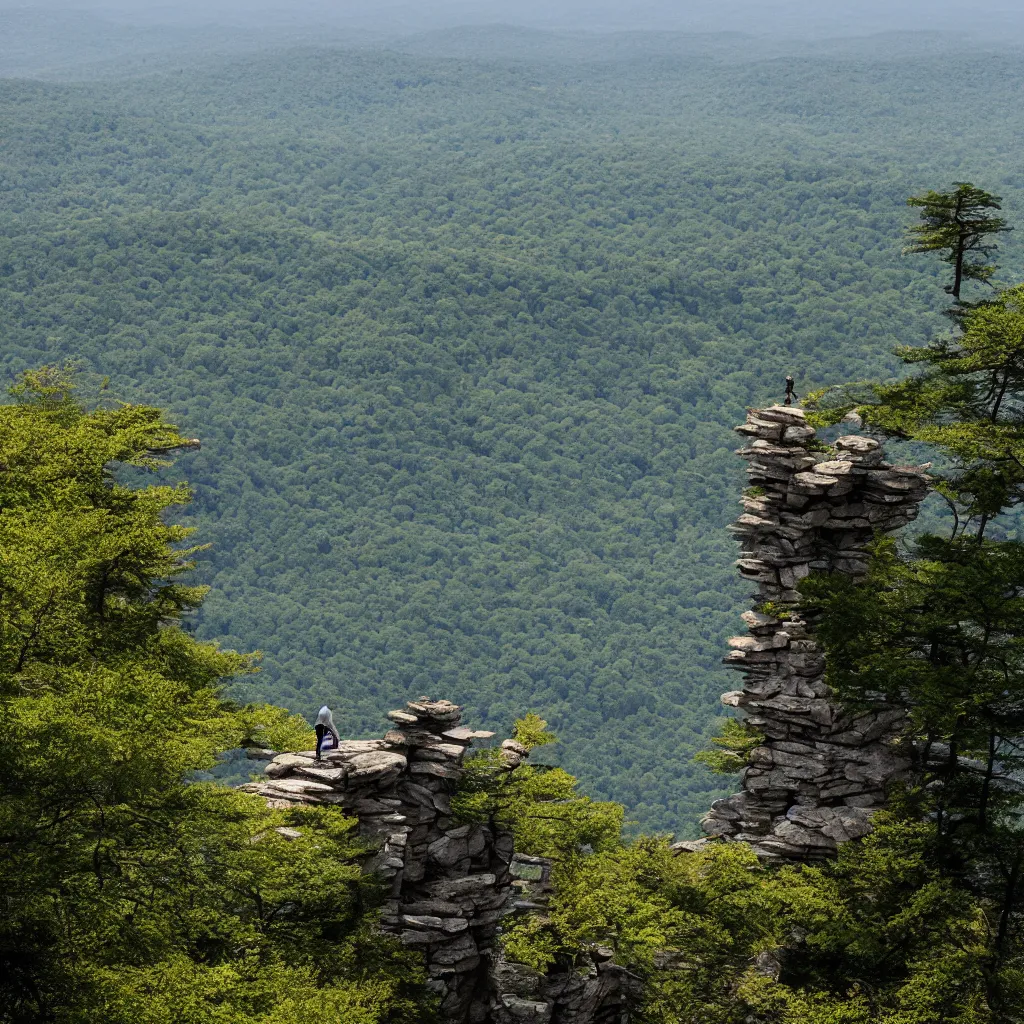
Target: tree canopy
{"type": "Point", "coordinates": [958, 223]}
{"type": "Point", "coordinates": [464, 339]}
{"type": "Point", "coordinates": [128, 893]}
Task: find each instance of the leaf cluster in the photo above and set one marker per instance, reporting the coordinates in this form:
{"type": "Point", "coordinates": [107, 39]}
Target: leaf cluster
{"type": "Point", "coordinates": [540, 804]}
{"type": "Point", "coordinates": [735, 742]}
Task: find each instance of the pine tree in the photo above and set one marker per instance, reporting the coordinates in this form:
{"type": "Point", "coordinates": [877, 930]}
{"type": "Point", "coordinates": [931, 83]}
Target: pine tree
{"type": "Point", "coordinates": [129, 894]}
{"type": "Point", "coordinates": [939, 630]}
{"type": "Point", "coordinates": [957, 223]}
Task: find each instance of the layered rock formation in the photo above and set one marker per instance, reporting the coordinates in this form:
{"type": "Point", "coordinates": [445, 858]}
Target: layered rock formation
{"type": "Point", "coordinates": [599, 992]}
{"type": "Point", "coordinates": [812, 784]}
{"type": "Point", "coordinates": [820, 773]}
{"type": "Point", "coordinates": [450, 883]}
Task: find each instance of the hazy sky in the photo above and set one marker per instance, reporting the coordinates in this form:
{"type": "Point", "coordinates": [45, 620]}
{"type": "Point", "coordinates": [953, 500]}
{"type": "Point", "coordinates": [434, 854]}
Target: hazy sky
{"type": "Point", "coordinates": [791, 18]}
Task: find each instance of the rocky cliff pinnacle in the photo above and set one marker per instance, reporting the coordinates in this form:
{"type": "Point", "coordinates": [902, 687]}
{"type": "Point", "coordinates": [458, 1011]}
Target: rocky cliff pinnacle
{"type": "Point", "coordinates": [812, 783]}
{"type": "Point", "coordinates": [451, 884]}
{"type": "Point", "coordinates": [820, 772]}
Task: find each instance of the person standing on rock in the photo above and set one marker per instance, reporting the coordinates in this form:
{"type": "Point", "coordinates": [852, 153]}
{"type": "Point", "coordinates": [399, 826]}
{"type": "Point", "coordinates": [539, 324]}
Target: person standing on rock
{"type": "Point", "coordinates": [324, 725]}
{"type": "Point", "coordinates": [790, 393]}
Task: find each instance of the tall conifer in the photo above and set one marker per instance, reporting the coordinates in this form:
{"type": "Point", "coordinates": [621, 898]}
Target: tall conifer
{"type": "Point", "coordinates": [939, 630]}
{"type": "Point", "coordinates": [958, 223]}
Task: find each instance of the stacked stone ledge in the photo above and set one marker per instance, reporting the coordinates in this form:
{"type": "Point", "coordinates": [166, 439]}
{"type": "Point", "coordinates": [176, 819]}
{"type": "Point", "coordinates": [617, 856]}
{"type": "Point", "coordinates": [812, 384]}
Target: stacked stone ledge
{"type": "Point", "coordinates": [450, 883]}
{"type": "Point", "coordinates": [820, 772]}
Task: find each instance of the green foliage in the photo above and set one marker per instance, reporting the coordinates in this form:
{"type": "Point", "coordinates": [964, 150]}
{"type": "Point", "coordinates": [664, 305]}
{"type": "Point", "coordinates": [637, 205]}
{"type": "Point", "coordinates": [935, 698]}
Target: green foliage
{"type": "Point", "coordinates": [942, 635]}
{"type": "Point", "coordinates": [957, 223]}
{"type": "Point", "coordinates": [540, 804]}
{"type": "Point", "coordinates": [878, 936]}
{"type": "Point", "coordinates": [264, 725]}
{"type": "Point", "coordinates": [531, 731]}
{"type": "Point", "coordinates": [735, 741]}
{"type": "Point", "coordinates": [775, 610]}
{"type": "Point", "coordinates": [128, 894]}
{"type": "Point", "coordinates": [614, 896]}
{"type": "Point", "coordinates": [211, 914]}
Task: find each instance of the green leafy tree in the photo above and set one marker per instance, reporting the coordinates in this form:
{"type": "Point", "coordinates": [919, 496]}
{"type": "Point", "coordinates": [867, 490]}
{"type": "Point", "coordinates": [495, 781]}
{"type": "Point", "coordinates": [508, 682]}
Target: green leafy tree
{"type": "Point", "coordinates": [539, 804]}
{"type": "Point", "coordinates": [939, 630]}
{"type": "Point", "coordinates": [129, 894]}
{"type": "Point", "coordinates": [958, 223]}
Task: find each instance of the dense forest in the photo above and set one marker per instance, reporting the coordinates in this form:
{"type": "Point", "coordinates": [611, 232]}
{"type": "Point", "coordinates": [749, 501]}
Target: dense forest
{"type": "Point", "coordinates": [133, 893]}
{"type": "Point", "coordinates": [463, 331]}
{"type": "Point", "coordinates": [464, 339]}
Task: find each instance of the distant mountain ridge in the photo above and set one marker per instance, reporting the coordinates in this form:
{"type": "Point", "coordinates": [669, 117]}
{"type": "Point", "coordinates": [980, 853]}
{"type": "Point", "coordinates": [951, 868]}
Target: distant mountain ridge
{"type": "Point", "coordinates": [85, 41]}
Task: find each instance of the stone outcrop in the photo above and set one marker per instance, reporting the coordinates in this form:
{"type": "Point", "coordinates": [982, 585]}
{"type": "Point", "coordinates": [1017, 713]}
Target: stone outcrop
{"type": "Point", "coordinates": [600, 992]}
{"type": "Point", "coordinates": [451, 884]}
{"type": "Point", "coordinates": [820, 773]}
{"type": "Point", "coordinates": [811, 784]}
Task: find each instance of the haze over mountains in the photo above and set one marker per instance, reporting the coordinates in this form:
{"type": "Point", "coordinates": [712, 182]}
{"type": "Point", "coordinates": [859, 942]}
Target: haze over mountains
{"type": "Point", "coordinates": [784, 18]}
{"type": "Point", "coordinates": [68, 37]}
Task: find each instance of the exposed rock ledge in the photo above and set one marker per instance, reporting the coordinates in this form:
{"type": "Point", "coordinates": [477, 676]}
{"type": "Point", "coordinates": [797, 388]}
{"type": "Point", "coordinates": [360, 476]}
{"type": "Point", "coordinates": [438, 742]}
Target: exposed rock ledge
{"type": "Point", "coordinates": [451, 884]}
{"type": "Point", "coordinates": [820, 773]}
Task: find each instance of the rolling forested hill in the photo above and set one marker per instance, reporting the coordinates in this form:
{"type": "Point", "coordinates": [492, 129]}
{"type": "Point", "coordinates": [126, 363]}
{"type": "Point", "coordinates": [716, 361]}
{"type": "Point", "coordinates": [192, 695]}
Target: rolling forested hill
{"type": "Point", "coordinates": [464, 339]}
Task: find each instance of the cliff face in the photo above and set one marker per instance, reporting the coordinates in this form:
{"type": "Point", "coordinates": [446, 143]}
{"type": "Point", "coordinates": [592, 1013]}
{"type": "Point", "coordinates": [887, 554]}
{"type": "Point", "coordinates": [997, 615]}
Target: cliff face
{"type": "Point", "coordinates": [450, 883]}
{"type": "Point", "coordinates": [820, 773]}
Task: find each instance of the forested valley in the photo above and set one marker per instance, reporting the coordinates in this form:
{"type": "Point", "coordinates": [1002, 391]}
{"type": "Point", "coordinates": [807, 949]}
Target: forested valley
{"type": "Point", "coordinates": [353, 373]}
{"type": "Point", "coordinates": [464, 332]}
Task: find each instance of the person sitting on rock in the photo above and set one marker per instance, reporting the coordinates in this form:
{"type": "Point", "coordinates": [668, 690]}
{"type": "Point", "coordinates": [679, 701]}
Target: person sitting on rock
{"type": "Point", "coordinates": [324, 725]}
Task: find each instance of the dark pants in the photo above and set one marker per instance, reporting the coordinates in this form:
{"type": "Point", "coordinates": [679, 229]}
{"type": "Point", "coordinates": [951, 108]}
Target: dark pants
{"type": "Point", "coordinates": [321, 732]}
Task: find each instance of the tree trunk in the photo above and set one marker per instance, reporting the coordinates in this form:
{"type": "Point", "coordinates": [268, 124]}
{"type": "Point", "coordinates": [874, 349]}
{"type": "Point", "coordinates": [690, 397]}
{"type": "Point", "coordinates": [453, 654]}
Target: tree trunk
{"type": "Point", "coordinates": [1009, 903]}
{"type": "Point", "coordinates": [961, 248]}
{"type": "Point", "coordinates": [986, 787]}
